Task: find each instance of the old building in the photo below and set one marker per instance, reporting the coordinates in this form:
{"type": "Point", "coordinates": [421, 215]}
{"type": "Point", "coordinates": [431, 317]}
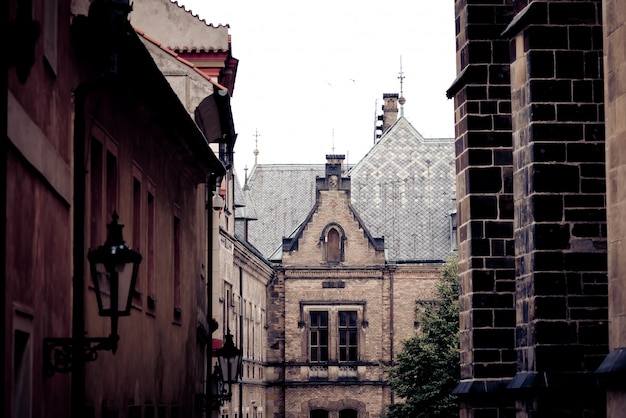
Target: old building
{"type": "Point", "coordinates": [539, 207]}
{"type": "Point", "coordinates": [95, 129]}
{"type": "Point", "coordinates": [338, 310]}
{"type": "Point", "coordinates": [404, 188]}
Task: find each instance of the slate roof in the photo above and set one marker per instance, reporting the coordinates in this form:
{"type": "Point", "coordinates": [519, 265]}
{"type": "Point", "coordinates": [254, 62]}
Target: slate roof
{"type": "Point", "coordinates": [404, 190]}
{"type": "Point", "coordinates": [282, 196]}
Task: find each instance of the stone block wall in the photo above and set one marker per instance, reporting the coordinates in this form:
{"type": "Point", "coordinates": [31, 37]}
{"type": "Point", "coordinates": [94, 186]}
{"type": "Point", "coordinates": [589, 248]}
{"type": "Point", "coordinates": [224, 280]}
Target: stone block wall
{"type": "Point", "coordinates": [485, 199]}
{"type": "Point", "coordinates": [545, 202]}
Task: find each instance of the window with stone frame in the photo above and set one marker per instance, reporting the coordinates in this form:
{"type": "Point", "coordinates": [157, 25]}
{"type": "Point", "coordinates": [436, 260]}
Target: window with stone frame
{"type": "Point", "coordinates": [318, 336]}
{"type": "Point", "coordinates": [318, 413]}
{"type": "Point", "coordinates": [332, 239]}
{"type": "Point", "coordinates": [333, 332]}
{"type": "Point", "coordinates": [348, 336]}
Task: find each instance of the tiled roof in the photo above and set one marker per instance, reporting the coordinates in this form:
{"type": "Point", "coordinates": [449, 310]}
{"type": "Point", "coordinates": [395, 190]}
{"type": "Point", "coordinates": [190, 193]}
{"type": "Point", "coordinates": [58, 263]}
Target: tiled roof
{"type": "Point", "coordinates": [283, 195]}
{"type": "Point", "coordinates": [188, 63]}
{"type": "Point", "coordinates": [180, 28]}
{"type": "Point", "coordinates": [403, 189]}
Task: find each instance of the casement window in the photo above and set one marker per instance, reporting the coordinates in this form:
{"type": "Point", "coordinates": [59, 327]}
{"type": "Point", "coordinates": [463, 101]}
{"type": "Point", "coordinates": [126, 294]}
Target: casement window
{"type": "Point", "coordinates": [333, 332]}
{"type": "Point", "coordinates": [348, 336]}
{"type": "Point", "coordinates": [318, 336]}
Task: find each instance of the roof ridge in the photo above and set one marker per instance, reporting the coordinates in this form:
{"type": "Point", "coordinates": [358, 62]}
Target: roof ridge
{"type": "Point", "coordinates": [178, 57]}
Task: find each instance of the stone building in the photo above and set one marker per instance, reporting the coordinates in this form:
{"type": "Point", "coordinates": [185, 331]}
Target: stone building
{"type": "Point", "coordinates": [338, 311]}
{"type": "Point", "coordinates": [539, 208]}
{"type": "Point", "coordinates": [404, 188]}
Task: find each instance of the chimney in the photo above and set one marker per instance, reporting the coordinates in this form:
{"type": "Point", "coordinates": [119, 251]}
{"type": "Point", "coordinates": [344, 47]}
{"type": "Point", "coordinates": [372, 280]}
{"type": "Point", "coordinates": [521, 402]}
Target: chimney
{"type": "Point", "coordinates": [334, 170]}
{"type": "Point", "coordinates": [390, 110]}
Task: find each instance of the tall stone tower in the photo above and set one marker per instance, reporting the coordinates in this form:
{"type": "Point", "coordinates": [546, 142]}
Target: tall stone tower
{"type": "Point", "coordinates": [532, 222]}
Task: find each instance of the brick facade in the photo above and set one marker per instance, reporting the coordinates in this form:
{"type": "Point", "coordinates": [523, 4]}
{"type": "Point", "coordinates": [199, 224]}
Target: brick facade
{"type": "Point", "coordinates": [383, 298]}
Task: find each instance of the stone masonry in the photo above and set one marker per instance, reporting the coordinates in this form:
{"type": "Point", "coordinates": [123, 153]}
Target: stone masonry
{"type": "Point", "coordinates": [531, 174]}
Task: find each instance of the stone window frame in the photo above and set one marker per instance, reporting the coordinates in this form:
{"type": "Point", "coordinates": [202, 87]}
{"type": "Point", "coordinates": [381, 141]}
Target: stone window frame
{"type": "Point", "coordinates": [333, 226]}
{"type": "Point", "coordinates": [333, 308]}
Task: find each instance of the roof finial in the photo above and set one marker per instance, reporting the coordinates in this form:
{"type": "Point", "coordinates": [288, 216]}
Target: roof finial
{"type": "Point", "coordinates": [256, 145]}
{"type": "Point", "coordinates": [401, 100]}
{"type": "Point", "coordinates": [333, 147]}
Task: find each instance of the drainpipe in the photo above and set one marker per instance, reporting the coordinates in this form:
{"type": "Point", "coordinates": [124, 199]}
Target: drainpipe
{"type": "Point", "coordinates": [214, 205]}
{"type": "Point", "coordinates": [241, 340]}
{"type": "Point", "coordinates": [391, 323]}
{"type": "Point", "coordinates": [78, 251]}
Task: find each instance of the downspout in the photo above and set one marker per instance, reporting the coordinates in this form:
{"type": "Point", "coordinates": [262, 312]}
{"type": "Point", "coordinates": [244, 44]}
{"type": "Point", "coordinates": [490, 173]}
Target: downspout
{"type": "Point", "coordinates": [241, 340]}
{"type": "Point", "coordinates": [214, 205]}
{"type": "Point", "coordinates": [391, 324]}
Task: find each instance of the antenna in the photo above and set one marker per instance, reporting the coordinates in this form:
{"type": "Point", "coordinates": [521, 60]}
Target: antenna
{"type": "Point", "coordinates": [375, 120]}
{"type": "Point", "coordinates": [333, 147]}
{"type": "Point", "coordinates": [256, 145]}
{"type": "Point", "coordinates": [401, 100]}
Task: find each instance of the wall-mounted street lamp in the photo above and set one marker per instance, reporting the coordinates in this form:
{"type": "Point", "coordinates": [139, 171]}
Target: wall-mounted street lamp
{"type": "Point", "coordinates": [226, 371]}
{"type": "Point", "coordinates": [114, 268]}
{"type": "Point", "coordinates": [229, 359]}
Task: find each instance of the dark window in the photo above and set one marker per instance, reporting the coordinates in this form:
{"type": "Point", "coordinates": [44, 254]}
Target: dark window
{"type": "Point", "coordinates": [318, 341]}
{"type": "Point", "coordinates": [177, 266]}
{"type": "Point", "coordinates": [348, 413]}
{"type": "Point", "coordinates": [318, 413]}
{"type": "Point", "coordinates": [348, 335]}
{"type": "Point", "coordinates": [111, 185]}
{"type": "Point", "coordinates": [97, 174]}
{"type": "Point", "coordinates": [137, 225]}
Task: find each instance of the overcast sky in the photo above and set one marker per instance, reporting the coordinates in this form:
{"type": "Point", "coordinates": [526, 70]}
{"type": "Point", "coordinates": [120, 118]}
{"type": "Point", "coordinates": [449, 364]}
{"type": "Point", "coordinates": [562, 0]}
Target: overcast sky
{"type": "Point", "coordinates": [312, 74]}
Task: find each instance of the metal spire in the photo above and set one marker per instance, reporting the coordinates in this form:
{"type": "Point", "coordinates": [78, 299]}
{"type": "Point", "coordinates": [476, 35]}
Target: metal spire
{"type": "Point", "coordinates": [401, 100]}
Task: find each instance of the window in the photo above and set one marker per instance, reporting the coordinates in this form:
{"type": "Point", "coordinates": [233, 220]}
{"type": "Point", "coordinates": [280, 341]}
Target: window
{"type": "Point", "coordinates": [151, 288]}
{"type": "Point", "coordinates": [318, 336]}
{"type": "Point", "coordinates": [332, 240]}
{"type": "Point", "coordinates": [333, 333]}
{"type": "Point", "coordinates": [177, 266]}
{"type": "Point", "coordinates": [22, 365]}
{"type": "Point", "coordinates": [333, 249]}
{"type": "Point", "coordinates": [111, 184]}
{"type": "Point", "coordinates": [318, 413]}
{"type": "Point", "coordinates": [136, 243]}
{"type": "Point", "coordinates": [348, 336]}
{"type": "Point", "coordinates": [96, 178]}
{"type": "Point", "coordinates": [348, 413]}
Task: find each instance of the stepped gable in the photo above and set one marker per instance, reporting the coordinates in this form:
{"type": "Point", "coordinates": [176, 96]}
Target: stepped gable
{"type": "Point", "coordinates": [333, 219]}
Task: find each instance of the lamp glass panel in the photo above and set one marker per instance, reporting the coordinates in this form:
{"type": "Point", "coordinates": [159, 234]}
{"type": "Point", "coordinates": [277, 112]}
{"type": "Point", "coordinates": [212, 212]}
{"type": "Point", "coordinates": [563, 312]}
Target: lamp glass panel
{"type": "Point", "coordinates": [102, 281]}
{"type": "Point", "coordinates": [125, 278]}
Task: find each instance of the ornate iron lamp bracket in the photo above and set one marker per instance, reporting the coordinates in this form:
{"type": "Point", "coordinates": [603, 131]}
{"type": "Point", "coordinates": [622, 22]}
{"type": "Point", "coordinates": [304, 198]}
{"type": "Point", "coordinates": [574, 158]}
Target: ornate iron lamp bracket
{"type": "Point", "coordinates": [58, 357]}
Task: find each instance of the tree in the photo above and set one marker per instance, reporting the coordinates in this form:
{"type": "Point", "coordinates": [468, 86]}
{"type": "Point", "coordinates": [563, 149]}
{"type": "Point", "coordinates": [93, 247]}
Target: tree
{"type": "Point", "coordinates": [427, 369]}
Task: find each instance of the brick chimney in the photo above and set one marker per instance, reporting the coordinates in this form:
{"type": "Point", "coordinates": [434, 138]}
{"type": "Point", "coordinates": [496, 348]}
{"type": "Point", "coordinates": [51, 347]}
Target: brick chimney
{"type": "Point", "coordinates": [390, 110]}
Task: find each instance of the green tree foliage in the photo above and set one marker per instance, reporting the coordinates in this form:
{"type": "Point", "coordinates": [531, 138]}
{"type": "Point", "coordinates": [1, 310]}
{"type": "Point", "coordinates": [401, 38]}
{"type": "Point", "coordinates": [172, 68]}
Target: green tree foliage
{"type": "Point", "coordinates": [427, 369]}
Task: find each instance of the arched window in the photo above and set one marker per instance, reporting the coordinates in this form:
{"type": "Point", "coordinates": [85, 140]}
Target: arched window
{"type": "Point", "coordinates": [348, 413]}
{"type": "Point", "coordinates": [318, 413]}
{"type": "Point", "coordinates": [333, 246]}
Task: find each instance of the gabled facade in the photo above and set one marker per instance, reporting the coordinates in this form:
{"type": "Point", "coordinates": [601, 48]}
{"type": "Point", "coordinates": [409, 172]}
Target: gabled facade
{"type": "Point", "coordinates": [335, 326]}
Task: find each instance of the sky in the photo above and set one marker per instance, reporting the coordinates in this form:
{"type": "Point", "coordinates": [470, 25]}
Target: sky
{"type": "Point", "coordinates": [311, 75]}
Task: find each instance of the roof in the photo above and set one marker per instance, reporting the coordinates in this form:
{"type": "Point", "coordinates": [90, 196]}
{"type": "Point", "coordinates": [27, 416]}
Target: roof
{"type": "Point", "coordinates": [184, 31]}
{"type": "Point", "coordinates": [403, 189]}
{"type": "Point", "coordinates": [283, 195]}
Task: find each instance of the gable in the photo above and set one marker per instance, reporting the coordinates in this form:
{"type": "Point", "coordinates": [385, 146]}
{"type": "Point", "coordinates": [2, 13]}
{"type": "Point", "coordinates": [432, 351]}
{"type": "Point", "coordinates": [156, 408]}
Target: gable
{"type": "Point", "coordinates": [333, 235]}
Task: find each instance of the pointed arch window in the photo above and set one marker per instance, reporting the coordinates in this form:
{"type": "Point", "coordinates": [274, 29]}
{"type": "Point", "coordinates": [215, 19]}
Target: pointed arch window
{"type": "Point", "coordinates": [333, 239]}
